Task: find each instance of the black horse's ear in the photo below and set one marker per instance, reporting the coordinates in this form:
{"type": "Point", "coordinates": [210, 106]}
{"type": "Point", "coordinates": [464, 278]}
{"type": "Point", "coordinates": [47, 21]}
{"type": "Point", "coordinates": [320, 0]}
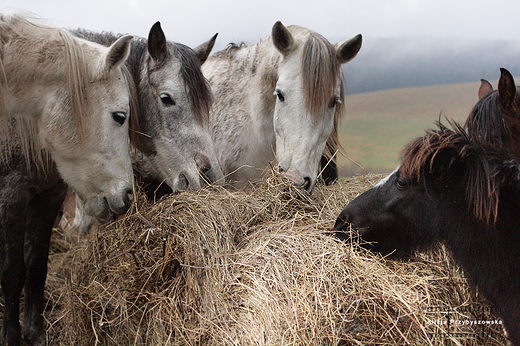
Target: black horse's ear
{"type": "Point", "coordinates": [157, 43]}
{"type": "Point", "coordinates": [506, 89]}
{"type": "Point", "coordinates": [202, 51]}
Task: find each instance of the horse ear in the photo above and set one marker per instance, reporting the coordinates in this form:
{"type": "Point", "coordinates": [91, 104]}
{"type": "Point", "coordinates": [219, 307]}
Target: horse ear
{"type": "Point", "coordinates": [485, 88]}
{"type": "Point", "coordinates": [506, 88]}
{"type": "Point", "coordinates": [118, 52]}
{"type": "Point", "coordinates": [283, 40]}
{"type": "Point", "coordinates": [202, 51]}
{"type": "Point", "coordinates": [347, 50]}
{"type": "Point", "coordinates": [157, 43]}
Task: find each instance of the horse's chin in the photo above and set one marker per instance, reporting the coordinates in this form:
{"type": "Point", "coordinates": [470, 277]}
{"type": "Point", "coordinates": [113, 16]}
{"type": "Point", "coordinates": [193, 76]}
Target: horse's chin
{"type": "Point", "coordinates": [99, 208]}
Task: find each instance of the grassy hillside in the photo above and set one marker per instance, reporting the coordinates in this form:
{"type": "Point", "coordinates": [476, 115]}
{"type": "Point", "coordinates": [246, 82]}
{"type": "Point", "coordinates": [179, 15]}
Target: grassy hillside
{"type": "Point", "coordinates": [378, 124]}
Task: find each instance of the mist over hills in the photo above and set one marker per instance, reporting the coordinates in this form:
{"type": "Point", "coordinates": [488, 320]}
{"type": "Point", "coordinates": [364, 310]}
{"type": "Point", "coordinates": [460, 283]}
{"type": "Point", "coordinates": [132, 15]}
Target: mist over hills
{"type": "Point", "coordinates": [388, 63]}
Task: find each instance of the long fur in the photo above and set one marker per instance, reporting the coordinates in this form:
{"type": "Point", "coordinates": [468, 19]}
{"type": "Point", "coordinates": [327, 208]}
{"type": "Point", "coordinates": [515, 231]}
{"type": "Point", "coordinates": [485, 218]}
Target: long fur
{"type": "Point", "coordinates": [440, 150]}
{"type": "Point", "coordinates": [322, 70]}
{"type": "Point", "coordinates": [27, 37]}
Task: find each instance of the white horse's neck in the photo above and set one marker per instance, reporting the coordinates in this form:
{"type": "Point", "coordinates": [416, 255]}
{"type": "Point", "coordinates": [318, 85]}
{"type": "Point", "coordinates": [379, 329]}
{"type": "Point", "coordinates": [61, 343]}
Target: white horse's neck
{"type": "Point", "coordinates": [243, 81]}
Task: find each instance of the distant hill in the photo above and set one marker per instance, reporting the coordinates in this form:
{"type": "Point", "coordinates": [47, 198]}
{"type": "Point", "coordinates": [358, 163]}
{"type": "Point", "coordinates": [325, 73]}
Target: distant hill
{"type": "Point", "coordinates": [388, 63]}
{"type": "Point", "coordinates": [378, 124]}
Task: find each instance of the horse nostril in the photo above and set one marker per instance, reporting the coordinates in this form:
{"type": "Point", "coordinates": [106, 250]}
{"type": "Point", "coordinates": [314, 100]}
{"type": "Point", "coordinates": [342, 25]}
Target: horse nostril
{"type": "Point", "coordinates": [205, 169]}
{"type": "Point", "coordinates": [280, 169]}
{"type": "Point", "coordinates": [129, 196]}
{"type": "Point", "coordinates": [184, 184]}
{"type": "Point", "coordinates": [204, 172]}
{"type": "Point", "coordinates": [307, 182]}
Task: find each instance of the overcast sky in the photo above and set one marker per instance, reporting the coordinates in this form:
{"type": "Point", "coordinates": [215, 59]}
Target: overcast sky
{"type": "Point", "coordinates": [195, 21]}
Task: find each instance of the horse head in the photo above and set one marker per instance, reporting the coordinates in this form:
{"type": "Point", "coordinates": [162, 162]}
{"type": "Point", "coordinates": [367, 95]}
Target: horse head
{"type": "Point", "coordinates": [175, 100]}
{"type": "Point", "coordinates": [310, 97]}
{"type": "Point", "coordinates": [91, 149]}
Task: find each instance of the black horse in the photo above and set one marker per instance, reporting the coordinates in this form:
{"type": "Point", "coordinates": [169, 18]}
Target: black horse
{"type": "Point", "coordinates": [456, 190]}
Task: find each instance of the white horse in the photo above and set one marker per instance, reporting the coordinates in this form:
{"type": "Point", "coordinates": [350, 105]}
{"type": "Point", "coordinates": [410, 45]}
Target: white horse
{"type": "Point", "coordinates": [64, 118]}
{"type": "Point", "coordinates": [281, 98]}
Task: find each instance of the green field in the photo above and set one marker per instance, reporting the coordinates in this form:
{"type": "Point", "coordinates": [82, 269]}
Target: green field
{"type": "Point", "coordinates": [379, 124]}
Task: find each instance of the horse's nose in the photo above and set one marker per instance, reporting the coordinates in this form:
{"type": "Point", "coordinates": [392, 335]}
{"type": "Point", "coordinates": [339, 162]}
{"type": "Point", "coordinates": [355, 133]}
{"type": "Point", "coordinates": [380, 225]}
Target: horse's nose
{"type": "Point", "coordinates": [204, 170]}
{"type": "Point", "coordinates": [341, 225]}
{"type": "Point", "coordinates": [120, 204]}
{"type": "Point", "coordinates": [307, 183]}
{"type": "Point", "coordinates": [298, 179]}
{"type": "Point", "coordinates": [294, 176]}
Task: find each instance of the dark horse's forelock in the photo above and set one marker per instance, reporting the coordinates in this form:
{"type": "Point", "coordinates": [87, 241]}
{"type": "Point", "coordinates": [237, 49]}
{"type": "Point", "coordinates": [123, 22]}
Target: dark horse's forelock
{"type": "Point", "coordinates": [199, 91]}
{"type": "Point", "coordinates": [434, 156]}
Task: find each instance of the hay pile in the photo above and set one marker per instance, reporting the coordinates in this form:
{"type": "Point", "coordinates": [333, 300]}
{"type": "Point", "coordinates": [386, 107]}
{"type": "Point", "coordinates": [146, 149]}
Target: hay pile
{"type": "Point", "coordinates": [253, 268]}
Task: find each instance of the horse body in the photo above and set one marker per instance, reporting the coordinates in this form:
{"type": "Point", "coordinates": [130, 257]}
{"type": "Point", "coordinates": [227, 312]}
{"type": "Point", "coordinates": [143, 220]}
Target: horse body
{"type": "Point", "coordinates": [279, 98]}
{"type": "Point", "coordinates": [64, 116]}
{"type": "Point", "coordinates": [460, 188]}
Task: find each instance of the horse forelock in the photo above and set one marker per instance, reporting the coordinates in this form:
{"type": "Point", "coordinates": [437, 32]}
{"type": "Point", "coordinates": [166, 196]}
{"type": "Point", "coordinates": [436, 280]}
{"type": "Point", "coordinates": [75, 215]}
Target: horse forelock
{"type": "Point", "coordinates": [432, 157]}
{"type": "Point", "coordinates": [321, 73]}
{"type": "Point", "coordinates": [135, 131]}
{"type": "Point", "coordinates": [78, 80]}
{"type": "Point", "coordinates": [199, 91]}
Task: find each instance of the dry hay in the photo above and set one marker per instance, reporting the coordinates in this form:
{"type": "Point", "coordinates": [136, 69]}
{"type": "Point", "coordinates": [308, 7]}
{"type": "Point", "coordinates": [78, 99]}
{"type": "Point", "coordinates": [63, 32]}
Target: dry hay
{"type": "Point", "coordinates": [253, 268]}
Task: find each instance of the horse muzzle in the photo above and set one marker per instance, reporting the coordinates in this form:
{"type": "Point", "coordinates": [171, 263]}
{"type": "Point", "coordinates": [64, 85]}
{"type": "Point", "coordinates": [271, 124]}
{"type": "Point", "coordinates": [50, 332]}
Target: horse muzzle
{"type": "Point", "coordinates": [105, 205]}
{"type": "Point", "coordinates": [298, 179]}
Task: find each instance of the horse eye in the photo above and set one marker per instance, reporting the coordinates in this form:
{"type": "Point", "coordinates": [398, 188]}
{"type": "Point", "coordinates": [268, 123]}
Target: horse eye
{"type": "Point", "coordinates": [119, 117]}
{"type": "Point", "coordinates": [401, 183]}
{"type": "Point", "coordinates": [334, 102]}
{"type": "Point", "coordinates": [167, 100]}
{"type": "Point", "coordinates": [280, 95]}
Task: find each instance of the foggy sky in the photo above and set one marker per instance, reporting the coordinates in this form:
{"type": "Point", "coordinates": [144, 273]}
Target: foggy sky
{"type": "Point", "coordinates": [195, 21]}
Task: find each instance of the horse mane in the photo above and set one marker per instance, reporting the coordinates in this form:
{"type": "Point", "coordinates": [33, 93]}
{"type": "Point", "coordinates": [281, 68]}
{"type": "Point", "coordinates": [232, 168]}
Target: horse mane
{"type": "Point", "coordinates": [437, 156]}
{"type": "Point", "coordinates": [231, 49]}
{"type": "Point", "coordinates": [199, 92]}
{"type": "Point", "coordinates": [34, 31]}
{"type": "Point", "coordinates": [77, 78]}
{"type": "Point", "coordinates": [321, 71]}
